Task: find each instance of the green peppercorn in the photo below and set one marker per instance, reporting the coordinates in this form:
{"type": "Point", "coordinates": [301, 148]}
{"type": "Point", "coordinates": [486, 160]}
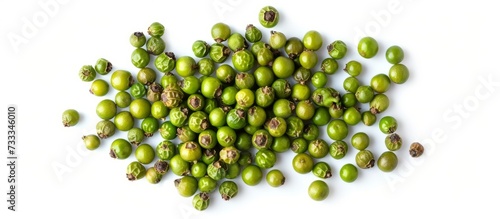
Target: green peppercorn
{"type": "Point", "coordinates": [105, 129]}
{"type": "Point", "coordinates": [305, 109]}
{"type": "Point", "coordinates": [209, 156]}
{"type": "Point", "coordinates": [337, 49]}
{"type": "Point", "coordinates": [206, 66]}
{"type": "Point", "coordinates": [91, 141]}
{"type": "Point", "coordinates": [338, 149]}
{"type": "Point", "coordinates": [236, 42]}
{"type": "Point", "coordinates": [276, 126]}
{"type": "Point", "coordinates": [245, 98]}
{"type": "Point", "coordinates": [394, 54]}
{"type": "Point", "coordinates": [360, 141]}
{"type": "Point", "coordinates": [353, 68]}
{"type": "Point", "coordinates": [312, 40]}
{"type": "Point", "coordinates": [367, 47]}
{"type": "Point", "coordinates": [294, 126]}
{"type": "Point", "coordinates": [198, 121]}
{"type": "Point", "coordinates": [145, 154]}
{"type": "Point", "coordinates": [137, 39]}
{"type": "Point", "coordinates": [243, 60]}
{"type": "Point", "coordinates": [200, 48]}
{"type": "Point", "coordinates": [388, 125]}
{"type": "Point", "coordinates": [387, 162]}
{"type": "Point", "coordinates": [264, 96]}
{"type": "Point", "coordinates": [156, 29]}
{"type": "Point", "coordinates": [244, 80]}
{"type": "Point", "coordinates": [319, 79]}
{"type": "Point", "coordinates": [318, 190]}
{"type": "Point", "coordinates": [226, 136]}
{"type": "Point", "coordinates": [201, 201]}
{"type": "Point", "coordinates": [311, 132]}
{"type": "Point", "coordinates": [229, 155]}
{"type": "Point", "coordinates": [393, 142]}
{"type": "Point", "coordinates": [123, 99]}
{"type": "Point", "coordinates": [220, 32]}
{"type": "Point", "coordinates": [294, 47]}
{"type": "Point", "coordinates": [135, 171]}
{"type": "Point", "coordinates": [211, 87]}
{"type": "Point", "coordinates": [70, 117]}
{"type": "Point", "coordinates": [351, 84]}
{"type": "Point", "coordinates": [318, 148]}
{"type": "Point", "coordinates": [185, 66]}
{"type": "Point", "coordinates": [120, 148]}
{"type": "Point", "coordinates": [251, 175]}
{"type": "Point", "coordinates": [166, 150]}
{"type": "Point", "coordinates": [135, 136]}
{"type": "Point", "coordinates": [299, 145]}
{"type": "Point", "coordinates": [190, 151]}
{"type": "Point", "coordinates": [140, 58]}
{"type": "Point", "coordinates": [165, 62]}
{"type": "Point", "coordinates": [308, 59]}
{"type": "Point", "coordinates": [348, 173]}
{"type": "Point", "coordinates": [186, 186]}
{"type": "Point", "coordinates": [87, 73]}
{"type": "Point", "coordinates": [380, 83]}
{"type": "Point", "coordinates": [329, 66]}
{"type": "Point", "coordinates": [283, 67]}
{"type": "Point", "coordinates": [325, 96]}
{"type": "Point", "coordinates": [138, 90]}
{"type": "Point", "coordinates": [265, 57]}
{"type": "Point", "coordinates": [228, 190]}
{"type": "Point", "coordinates": [261, 139]}
{"type": "Point", "coordinates": [198, 169]}
{"type": "Point", "coordinates": [252, 33]}
{"type": "Point", "coordinates": [179, 166]}
{"type": "Point", "coordinates": [103, 66]}
{"type": "Point", "coordinates": [155, 45]}
{"type": "Point", "coordinates": [399, 73]}
{"type": "Point", "coordinates": [364, 159]}
{"type": "Point", "coordinates": [207, 184]}
{"type": "Point", "coordinates": [172, 96]}
{"type": "Point", "coordinates": [153, 176]}
{"type": "Point", "coordinates": [302, 163]}
{"type": "Point", "coordinates": [322, 170]}
{"type": "Point", "coordinates": [245, 158]}
{"type": "Point", "coordinates": [269, 16]}
{"type": "Point", "coordinates": [364, 94]}
{"type": "Point", "coordinates": [158, 110]}
{"type": "Point", "coordinates": [275, 178]}
{"type": "Point", "coordinates": [368, 118]}
{"type": "Point", "coordinates": [217, 170]}
{"type": "Point", "coordinates": [265, 158]}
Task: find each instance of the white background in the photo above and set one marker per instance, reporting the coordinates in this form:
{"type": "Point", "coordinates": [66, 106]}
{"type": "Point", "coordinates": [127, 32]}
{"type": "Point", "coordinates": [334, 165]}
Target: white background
{"type": "Point", "coordinates": [450, 49]}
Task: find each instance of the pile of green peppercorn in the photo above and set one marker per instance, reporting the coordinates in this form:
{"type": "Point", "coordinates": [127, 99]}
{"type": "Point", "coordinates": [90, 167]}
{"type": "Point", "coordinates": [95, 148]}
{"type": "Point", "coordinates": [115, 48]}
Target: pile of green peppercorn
{"type": "Point", "coordinates": [229, 110]}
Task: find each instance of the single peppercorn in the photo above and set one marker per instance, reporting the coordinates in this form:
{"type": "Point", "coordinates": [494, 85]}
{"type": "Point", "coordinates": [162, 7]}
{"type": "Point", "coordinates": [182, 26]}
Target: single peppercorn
{"type": "Point", "coordinates": [416, 149]}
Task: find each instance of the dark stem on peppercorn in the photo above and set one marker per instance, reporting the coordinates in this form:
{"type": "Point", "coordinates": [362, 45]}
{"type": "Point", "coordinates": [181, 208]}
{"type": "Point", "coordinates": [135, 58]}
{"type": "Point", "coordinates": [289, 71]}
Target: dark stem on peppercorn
{"type": "Point", "coordinates": [138, 34]}
{"type": "Point", "coordinates": [130, 177]}
{"type": "Point", "coordinates": [374, 110]}
{"type": "Point", "coordinates": [112, 154]}
{"type": "Point", "coordinates": [269, 16]}
{"type": "Point", "coordinates": [204, 124]}
{"type": "Point", "coordinates": [261, 140]}
{"type": "Point", "coordinates": [274, 123]}
{"type": "Point", "coordinates": [161, 166]}
{"type": "Point", "coordinates": [371, 163]}
{"type": "Point", "coordinates": [205, 140]}
{"type": "Point", "coordinates": [329, 48]}
{"type": "Point", "coordinates": [195, 102]}
{"type": "Point", "coordinates": [328, 174]}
